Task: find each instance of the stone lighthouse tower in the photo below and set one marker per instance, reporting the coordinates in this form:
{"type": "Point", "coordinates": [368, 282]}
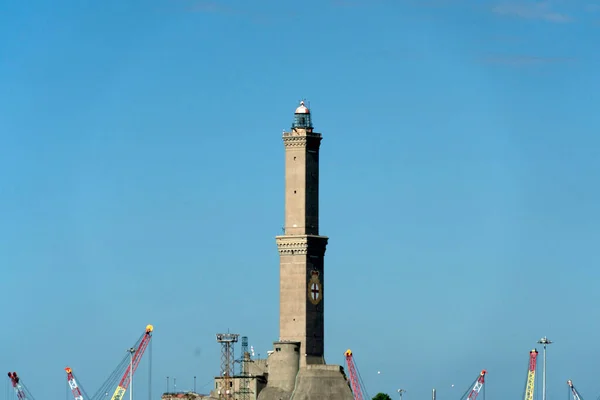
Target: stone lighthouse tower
{"type": "Point", "coordinates": [301, 248]}
{"type": "Point", "coordinates": [296, 366]}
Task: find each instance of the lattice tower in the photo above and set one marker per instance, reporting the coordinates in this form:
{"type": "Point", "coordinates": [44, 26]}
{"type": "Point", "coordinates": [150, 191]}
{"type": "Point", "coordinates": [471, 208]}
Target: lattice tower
{"type": "Point", "coordinates": [227, 341]}
{"type": "Point", "coordinates": [244, 392]}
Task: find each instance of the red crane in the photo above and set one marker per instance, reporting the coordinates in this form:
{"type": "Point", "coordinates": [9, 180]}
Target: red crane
{"type": "Point", "coordinates": [126, 369]}
{"type": "Point", "coordinates": [73, 385]}
{"type": "Point", "coordinates": [476, 387]}
{"type": "Point", "coordinates": [358, 389]}
{"type": "Point", "coordinates": [20, 389]}
{"type": "Point", "coordinates": [137, 353]}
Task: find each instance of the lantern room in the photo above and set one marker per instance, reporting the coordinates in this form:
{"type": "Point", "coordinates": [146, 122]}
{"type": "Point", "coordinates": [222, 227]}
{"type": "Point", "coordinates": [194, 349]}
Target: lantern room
{"type": "Point", "coordinates": [302, 117]}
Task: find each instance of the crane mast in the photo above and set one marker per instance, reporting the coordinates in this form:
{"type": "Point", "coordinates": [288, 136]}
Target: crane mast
{"type": "Point", "coordinates": [136, 358]}
{"type": "Point", "coordinates": [531, 375]}
{"type": "Point", "coordinates": [73, 384]}
{"type": "Point", "coordinates": [477, 386]}
{"type": "Point", "coordinates": [574, 391]}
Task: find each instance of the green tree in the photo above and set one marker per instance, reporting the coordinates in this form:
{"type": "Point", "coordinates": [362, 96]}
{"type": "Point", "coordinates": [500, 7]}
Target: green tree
{"type": "Point", "coordinates": [382, 396]}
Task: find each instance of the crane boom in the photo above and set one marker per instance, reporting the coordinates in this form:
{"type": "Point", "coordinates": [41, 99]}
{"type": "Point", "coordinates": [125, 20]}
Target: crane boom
{"type": "Point", "coordinates": [136, 358]}
{"type": "Point", "coordinates": [478, 385]}
{"type": "Point", "coordinates": [20, 389]}
{"type": "Point", "coordinates": [574, 391]}
{"type": "Point", "coordinates": [531, 375]}
{"type": "Point", "coordinates": [73, 384]}
{"type": "Point", "coordinates": [357, 390]}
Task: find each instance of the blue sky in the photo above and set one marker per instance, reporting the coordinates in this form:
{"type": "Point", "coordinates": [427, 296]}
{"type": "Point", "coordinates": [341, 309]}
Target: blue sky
{"type": "Point", "coordinates": [143, 183]}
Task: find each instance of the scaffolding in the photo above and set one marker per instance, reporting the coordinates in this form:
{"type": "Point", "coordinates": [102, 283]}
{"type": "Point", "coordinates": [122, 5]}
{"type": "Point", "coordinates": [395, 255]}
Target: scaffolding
{"type": "Point", "coordinates": [244, 391]}
{"type": "Point", "coordinates": [227, 341]}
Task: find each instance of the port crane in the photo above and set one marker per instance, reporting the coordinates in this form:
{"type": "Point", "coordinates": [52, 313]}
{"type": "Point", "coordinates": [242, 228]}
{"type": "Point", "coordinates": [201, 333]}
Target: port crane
{"type": "Point", "coordinates": [138, 352]}
{"type": "Point", "coordinates": [574, 391]}
{"type": "Point", "coordinates": [530, 386]}
{"type": "Point", "coordinates": [20, 389]}
{"type": "Point", "coordinates": [356, 383]}
{"type": "Point", "coordinates": [475, 388]}
{"type": "Point", "coordinates": [359, 392]}
{"type": "Point", "coordinates": [126, 368]}
{"type": "Point", "coordinates": [75, 388]}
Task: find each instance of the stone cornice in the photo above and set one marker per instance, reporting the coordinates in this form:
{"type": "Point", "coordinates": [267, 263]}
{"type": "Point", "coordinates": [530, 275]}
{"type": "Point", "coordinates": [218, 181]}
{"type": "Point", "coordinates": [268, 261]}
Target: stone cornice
{"type": "Point", "coordinates": [294, 141]}
{"type": "Point", "coordinates": [302, 138]}
{"type": "Point", "coordinates": [301, 245]}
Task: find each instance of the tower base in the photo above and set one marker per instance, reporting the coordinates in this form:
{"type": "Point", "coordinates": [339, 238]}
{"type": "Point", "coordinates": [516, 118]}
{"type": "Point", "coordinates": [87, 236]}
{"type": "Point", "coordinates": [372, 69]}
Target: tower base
{"type": "Point", "coordinates": [326, 382]}
{"type": "Point", "coordinates": [313, 382]}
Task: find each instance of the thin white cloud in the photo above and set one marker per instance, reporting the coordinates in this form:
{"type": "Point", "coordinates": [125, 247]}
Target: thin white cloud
{"type": "Point", "coordinates": [520, 60]}
{"type": "Point", "coordinates": [529, 10]}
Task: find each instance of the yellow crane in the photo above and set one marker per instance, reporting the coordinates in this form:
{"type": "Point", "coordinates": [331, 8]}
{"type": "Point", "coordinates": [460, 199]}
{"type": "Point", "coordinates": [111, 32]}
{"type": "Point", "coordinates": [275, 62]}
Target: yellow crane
{"type": "Point", "coordinates": [531, 375]}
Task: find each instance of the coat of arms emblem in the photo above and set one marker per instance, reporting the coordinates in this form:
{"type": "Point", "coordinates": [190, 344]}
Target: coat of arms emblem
{"type": "Point", "coordinates": [315, 289]}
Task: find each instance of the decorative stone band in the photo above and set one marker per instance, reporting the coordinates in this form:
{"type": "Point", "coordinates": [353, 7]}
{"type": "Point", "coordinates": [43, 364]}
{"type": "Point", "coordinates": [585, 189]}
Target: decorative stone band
{"type": "Point", "coordinates": [301, 245]}
{"type": "Point", "coordinates": [302, 139]}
